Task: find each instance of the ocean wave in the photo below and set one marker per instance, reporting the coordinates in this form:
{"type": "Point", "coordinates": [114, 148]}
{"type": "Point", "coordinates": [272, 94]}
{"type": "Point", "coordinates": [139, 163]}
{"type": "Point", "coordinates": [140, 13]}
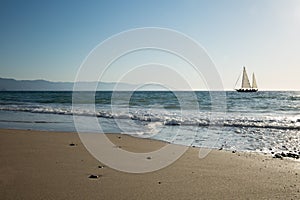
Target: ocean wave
{"type": "Point", "coordinates": [170, 118]}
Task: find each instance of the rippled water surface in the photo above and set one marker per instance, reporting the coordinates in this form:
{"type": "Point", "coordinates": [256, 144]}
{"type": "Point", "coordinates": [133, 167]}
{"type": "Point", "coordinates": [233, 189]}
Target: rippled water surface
{"type": "Point", "coordinates": [262, 121]}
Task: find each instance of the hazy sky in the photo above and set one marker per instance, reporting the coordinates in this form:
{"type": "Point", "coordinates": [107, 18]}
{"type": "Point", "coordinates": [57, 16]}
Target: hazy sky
{"type": "Point", "coordinates": [50, 39]}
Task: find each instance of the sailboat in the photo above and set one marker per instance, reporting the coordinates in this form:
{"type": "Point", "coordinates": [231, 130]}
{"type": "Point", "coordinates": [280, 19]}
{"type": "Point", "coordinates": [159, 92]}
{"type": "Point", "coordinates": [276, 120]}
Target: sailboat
{"type": "Point", "coordinates": [246, 87]}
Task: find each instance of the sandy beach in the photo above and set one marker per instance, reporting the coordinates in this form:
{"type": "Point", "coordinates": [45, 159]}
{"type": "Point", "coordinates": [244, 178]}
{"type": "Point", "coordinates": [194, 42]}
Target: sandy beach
{"type": "Point", "coordinates": [43, 165]}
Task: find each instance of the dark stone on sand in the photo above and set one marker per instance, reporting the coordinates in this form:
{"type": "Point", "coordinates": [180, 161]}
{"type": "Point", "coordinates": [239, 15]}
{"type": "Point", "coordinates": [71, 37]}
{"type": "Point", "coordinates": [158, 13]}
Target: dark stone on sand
{"type": "Point", "coordinates": [289, 155]}
{"type": "Point", "coordinates": [277, 155]}
{"type": "Point", "coordinates": [149, 157]}
{"type": "Point", "coordinates": [119, 137]}
{"type": "Point", "coordinates": [272, 152]}
{"type": "Point", "coordinates": [94, 176]}
{"type": "Point", "coordinates": [292, 155]}
{"type": "Point", "coordinates": [159, 182]}
{"type": "Point", "coordinates": [100, 167]}
{"type": "Point", "coordinates": [283, 154]}
{"type": "Point", "coordinates": [72, 144]}
{"type": "Point", "coordinates": [234, 151]}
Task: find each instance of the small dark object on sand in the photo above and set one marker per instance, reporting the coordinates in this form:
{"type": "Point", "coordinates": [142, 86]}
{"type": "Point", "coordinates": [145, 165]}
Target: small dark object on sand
{"type": "Point", "coordinates": [292, 155]}
{"type": "Point", "coordinates": [277, 155]}
{"type": "Point", "coordinates": [159, 182]}
{"type": "Point", "coordinates": [234, 151]}
{"type": "Point", "coordinates": [72, 144]}
{"type": "Point", "coordinates": [149, 157]}
{"type": "Point", "coordinates": [100, 167]}
{"type": "Point", "coordinates": [94, 176]}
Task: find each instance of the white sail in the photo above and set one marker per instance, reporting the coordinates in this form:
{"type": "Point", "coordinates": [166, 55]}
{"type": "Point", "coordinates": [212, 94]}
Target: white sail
{"type": "Point", "coordinates": [246, 87]}
{"type": "Point", "coordinates": [254, 85]}
{"type": "Point", "coordinates": [245, 80]}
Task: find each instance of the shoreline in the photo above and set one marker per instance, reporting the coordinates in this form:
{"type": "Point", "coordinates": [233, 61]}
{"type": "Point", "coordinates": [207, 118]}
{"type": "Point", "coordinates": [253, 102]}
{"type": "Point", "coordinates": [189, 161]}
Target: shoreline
{"type": "Point", "coordinates": [43, 164]}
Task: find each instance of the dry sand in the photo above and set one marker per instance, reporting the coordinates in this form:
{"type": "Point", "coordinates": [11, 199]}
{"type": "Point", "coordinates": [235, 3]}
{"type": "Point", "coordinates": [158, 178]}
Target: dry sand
{"type": "Point", "coordinates": [43, 165]}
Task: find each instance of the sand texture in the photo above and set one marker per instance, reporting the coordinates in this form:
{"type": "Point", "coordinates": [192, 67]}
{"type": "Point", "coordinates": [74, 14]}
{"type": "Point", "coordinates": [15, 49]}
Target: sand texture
{"type": "Point", "coordinates": [43, 165]}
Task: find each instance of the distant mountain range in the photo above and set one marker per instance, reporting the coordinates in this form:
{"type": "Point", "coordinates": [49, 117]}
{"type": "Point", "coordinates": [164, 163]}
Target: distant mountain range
{"type": "Point", "coordinates": [8, 84]}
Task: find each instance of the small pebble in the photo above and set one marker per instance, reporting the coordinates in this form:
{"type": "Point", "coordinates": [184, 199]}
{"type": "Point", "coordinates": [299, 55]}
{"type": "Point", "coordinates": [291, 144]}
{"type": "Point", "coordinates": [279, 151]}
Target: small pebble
{"type": "Point", "coordinates": [277, 155]}
{"type": "Point", "coordinates": [94, 176]}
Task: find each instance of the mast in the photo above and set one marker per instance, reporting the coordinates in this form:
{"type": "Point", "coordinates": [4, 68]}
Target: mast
{"type": "Point", "coordinates": [245, 80]}
{"type": "Point", "coordinates": [254, 85]}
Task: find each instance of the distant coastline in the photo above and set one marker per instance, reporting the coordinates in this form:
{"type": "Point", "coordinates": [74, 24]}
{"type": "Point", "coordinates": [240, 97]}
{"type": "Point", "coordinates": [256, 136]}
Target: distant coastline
{"type": "Point", "coordinates": [10, 84]}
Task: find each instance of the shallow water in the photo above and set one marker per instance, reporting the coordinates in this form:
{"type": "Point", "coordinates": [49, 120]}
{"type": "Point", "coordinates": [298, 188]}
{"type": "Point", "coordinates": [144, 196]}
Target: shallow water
{"type": "Point", "coordinates": [262, 121]}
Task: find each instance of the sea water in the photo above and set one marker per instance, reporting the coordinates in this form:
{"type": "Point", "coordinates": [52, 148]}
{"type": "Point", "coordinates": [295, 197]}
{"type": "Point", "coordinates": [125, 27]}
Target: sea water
{"type": "Point", "coordinates": [266, 121]}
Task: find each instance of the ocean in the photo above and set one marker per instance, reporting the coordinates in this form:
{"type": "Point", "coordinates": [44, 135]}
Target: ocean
{"type": "Point", "coordinates": [266, 121]}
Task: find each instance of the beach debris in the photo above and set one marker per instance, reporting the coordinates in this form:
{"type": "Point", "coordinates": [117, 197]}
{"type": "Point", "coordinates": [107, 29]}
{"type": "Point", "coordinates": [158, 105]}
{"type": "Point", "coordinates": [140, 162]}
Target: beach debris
{"type": "Point", "coordinates": [277, 155]}
{"type": "Point", "coordinates": [283, 154]}
{"type": "Point", "coordinates": [287, 155]}
{"type": "Point", "coordinates": [100, 167]}
{"type": "Point", "coordinates": [159, 182]}
{"type": "Point", "coordinates": [292, 155]}
{"type": "Point", "coordinates": [149, 157]}
{"type": "Point", "coordinates": [92, 176]}
{"type": "Point", "coordinates": [234, 151]}
{"type": "Point", "coordinates": [72, 144]}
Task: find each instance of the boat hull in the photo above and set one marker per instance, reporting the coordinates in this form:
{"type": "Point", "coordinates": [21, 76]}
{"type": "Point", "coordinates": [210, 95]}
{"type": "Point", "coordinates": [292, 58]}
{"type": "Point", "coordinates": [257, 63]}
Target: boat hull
{"type": "Point", "coordinates": [247, 90]}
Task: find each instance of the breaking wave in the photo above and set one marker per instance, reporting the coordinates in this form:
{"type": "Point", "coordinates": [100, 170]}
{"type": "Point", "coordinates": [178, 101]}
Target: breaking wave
{"type": "Point", "coordinates": [169, 118]}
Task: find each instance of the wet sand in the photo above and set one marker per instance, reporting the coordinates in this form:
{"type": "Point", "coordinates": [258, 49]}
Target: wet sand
{"type": "Point", "coordinates": [45, 165]}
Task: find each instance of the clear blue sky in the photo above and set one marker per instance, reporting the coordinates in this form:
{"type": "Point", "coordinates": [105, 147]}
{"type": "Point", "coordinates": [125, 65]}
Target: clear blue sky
{"type": "Point", "coordinates": [50, 39]}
